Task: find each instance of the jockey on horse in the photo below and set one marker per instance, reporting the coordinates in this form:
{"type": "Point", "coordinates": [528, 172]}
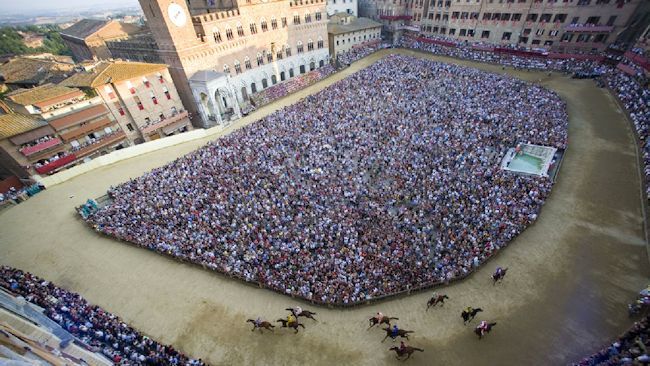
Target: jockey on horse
{"type": "Point", "coordinates": [297, 311]}
{"type": "Point", "coordinates": [483, 327]}
{"type": "Point", "coordinates": [379, 316]}
{"type": "Point", "coordinates": [394, 332]}
{"type": "Point", "coordinates": [290, 319]}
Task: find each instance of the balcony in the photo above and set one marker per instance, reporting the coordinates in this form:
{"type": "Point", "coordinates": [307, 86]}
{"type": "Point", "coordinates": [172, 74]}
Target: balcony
{"type": "Point", "coordinates": [86, 129]}
{"type": "Point", "coordinates": [56, 164]}
{"type": "Point", "coordinates": [103, 142]}
{"type": "Point", "coordinates": [162, 123]}
{"type": "Point", "coordinates": [78, 117]}
{"type": "Point", "coordinates": [29, 150]}
{"type": "Point", "coordinates": [395, 17]}
{"type": "Point", "coordinates": [588, 28]}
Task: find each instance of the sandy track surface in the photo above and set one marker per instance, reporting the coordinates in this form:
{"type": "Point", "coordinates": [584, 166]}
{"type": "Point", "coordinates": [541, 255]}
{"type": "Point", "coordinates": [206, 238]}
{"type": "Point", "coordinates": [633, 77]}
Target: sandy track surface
{"type": "Point", "coordinates": [570, 275]}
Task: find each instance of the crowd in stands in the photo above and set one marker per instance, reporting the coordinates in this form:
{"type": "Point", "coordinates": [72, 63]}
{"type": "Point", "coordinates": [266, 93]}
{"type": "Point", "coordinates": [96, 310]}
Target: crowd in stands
{"type": "Point", "coordinates": [100, 330]}
{"type": "Point", "coordinates": [632, 90]}
{"type": "Point", "coordinates": [299, 82]}
{"type": "Point", "coordinates": [629, 349]}
{"type": "Point", "coordinates": [384, 181]}
{"type": "Point", "coordinates": [15, 196]}
{"type": "Point", "coordinates": [37, 141]}
{"type": "Point", "coordinates": [348, 57]}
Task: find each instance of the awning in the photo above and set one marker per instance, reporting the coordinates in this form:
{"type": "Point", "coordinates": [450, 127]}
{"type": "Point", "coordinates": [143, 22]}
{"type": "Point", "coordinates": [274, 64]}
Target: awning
{"type": "Point", "coordinates": [31, 135]}
{"type": "Point", "coordinates": [175, 126]}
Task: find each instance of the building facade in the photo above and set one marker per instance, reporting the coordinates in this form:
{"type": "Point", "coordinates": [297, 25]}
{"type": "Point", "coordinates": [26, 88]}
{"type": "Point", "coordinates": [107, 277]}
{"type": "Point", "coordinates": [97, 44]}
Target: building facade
{"type": "Point", "coordinates": [347, 31]}
{"type": "Point", "coordinates": [87, 38]}
{"type": "Point", "coordinates": [342, 6]}
{"type": "Point", "coordinates": [563, 25]}
{"type": "Point", "coordinates": [70, 127]}
{"type": "Point", "coordinates": [141, 97]}
{"type": "Point", "coordinates": [255, 43]}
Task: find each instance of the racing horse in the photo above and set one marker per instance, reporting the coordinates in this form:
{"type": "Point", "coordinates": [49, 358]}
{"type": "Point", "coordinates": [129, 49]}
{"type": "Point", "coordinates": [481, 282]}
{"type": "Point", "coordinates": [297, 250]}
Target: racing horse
{"type": "Point", "coordinates": [305, 313]}
{"type": "Point", "coordinates": [293, 325]}
{"type": "Point", "coordinates": [384, 320]}
{"type": "Point", "coordinates": [400, 333]}
{"type": "Point", "coordinates": [479, 331]}
{"type": "Point", "coordinates": [407, 350]}
{"type": "Point", "coordinates": [498, 276]}
{"type": "Point", "coordinates": [263, 324]}
{"type": "Point", "coordinates": [435, 300]}
{"type": "Point", "coordinates": [469, 316]}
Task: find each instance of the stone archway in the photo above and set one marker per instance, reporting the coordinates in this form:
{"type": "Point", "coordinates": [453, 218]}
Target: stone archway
{"type": "Point", "coordinates": [225, 103]}
{"type": "Point", "coordinates": [208, 107]}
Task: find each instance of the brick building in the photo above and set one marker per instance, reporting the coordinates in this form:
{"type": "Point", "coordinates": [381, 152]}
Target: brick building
{"type": "Point", "coordinates": [141, 97]}
{"type": "Point", "coordinates": [346, 31]}
{"type": "Point", "coordinates": [243, 47]}
{"type": "Point", "coordinates": [87, 38]}
{"type": "Point", "coordinates": [66, 126]}
{"type": "Point", "coordinates": [564, 25]}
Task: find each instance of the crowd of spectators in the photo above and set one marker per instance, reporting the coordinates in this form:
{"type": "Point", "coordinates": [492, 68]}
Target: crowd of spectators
{"type": "Point", "coordinates": [100, 330]}
{"type": "Point", "coordinates": [384, 181]}
{"type": "Point", "coordinates": [348, 57]}
{"type": "Point", "coordinates": [474, 52]}
{"type": "Point", "coordinates": [634, 94]}
{"type": "Point", "coordinates": [629, 349]}
{"type": "Point", "coordinates": [15, 196]}
{"type": "Point", "coordinates": [299, 82]}
{"type": "Point", "coordinates": [632, 90]}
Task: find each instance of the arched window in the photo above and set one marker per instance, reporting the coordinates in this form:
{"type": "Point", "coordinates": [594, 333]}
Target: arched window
{"type": "Point", "coordinates": [226, 69]}
{"type": "Point", "coordinates": [240, 30]}
{"type": "Point", "coordinates": [320, 42]}
{"type": "Point", "coordinates": [300, 47]}
{"type": "Point", "coordinates": [269, 57]}
{"type": "Point", "coordinates": [260, 59]}
{"type": "Point", "coordinates": [310, 45]}
{"type": "Point", "coordinates": [216, 35]}
{"type": "Point", "coordinates": [237, 67]}
{"type": "Point", "coordinates": [307, 18]}
{"type": "Point", "coordinates": [253, 28]}
{"type": "Point", "coordinates": [264, 26]}
{"type": "Point", "coordinates": [287, 50]}
{"type": "Point", "coordinates": [274, 23]}
{"type": "Point", "coordinates": [229, 34]}
{"type": "Point", "coordinates": [247, 63]}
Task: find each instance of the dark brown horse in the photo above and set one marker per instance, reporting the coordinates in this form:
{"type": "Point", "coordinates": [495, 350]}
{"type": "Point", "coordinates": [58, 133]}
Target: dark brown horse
{"type": "Point", "coordinates": [435, 300]}
{"type": "Point", "coordinates": [385, 320]}
{"type": "Point", "coordinates": [406, 351]}
{"type": "Point", "coordinates": [479, 331]}
{"type": "Point", "coordinates": [293, 325]}
{"type": "Point", "coordinates": [305, 313]}
{"type": "Point", "coordinates": [400, 333]}
{"type": "Point", "coordinates": [469, 316]}
{"type": "Point", "coordinates": [498, 276]}
{"type": "Point", "coordinates": [263, 324]}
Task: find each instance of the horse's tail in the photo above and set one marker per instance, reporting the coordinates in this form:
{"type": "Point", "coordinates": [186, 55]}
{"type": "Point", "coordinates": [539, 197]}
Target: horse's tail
{"type": "Point", "coordinates": [418, 349]}
{"type": "Point", "coordinates": [409, 331]}
{"type": "Point", "coordinates": [493, 324]}
{"type": "Point", "coordinates": [393, 318]}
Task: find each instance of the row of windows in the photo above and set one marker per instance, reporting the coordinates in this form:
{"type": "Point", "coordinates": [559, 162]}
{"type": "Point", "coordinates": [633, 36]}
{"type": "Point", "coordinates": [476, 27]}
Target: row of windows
{"type": "Point", "coordinates": [266, 56]}
{"type": "Point", "coordinates": [447, 3]}
{"type": "Point", "coordinates": [507, 36]}
{"type": "Point", "coordinates": [264, 26]}
{"type": "Point", "coordinates": [542, 18]}
{"type": "Point", "coordinates": [283, 77]}
{"type": "Point", "coordinates": [354, 39]}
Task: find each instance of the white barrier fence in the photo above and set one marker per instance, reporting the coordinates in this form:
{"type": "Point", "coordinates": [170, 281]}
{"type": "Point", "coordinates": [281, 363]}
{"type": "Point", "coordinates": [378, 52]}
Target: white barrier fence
{"type": "Point", "coordinates": [127, 153]}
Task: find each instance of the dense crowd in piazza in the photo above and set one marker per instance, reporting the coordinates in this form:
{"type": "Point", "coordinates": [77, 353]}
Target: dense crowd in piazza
{"type": "Point", "coordinates": [384, 181]}
{"type": "Point", "coordinates": [631, 348]}
{"type": "Point", "coordinates": [281, 90]}
{"type": "Point", "coordinates": [100, 330]}
{"type": "Point", "coordinates": [632, 90]}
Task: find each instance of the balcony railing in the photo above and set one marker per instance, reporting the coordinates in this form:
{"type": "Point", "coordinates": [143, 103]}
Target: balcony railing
{"type": "Point", "coordinates": [87, 128]}
{"type": "Point", "coordinates": [588, 28]}
{"type": "Point", "coordinates": [103, 142]}
{"type": "Point", "coordinates": [165, 122]}
{"type": "Point", "coordinates": [44, 169]}
{"type": "Point", "coordinates": [29, 150]}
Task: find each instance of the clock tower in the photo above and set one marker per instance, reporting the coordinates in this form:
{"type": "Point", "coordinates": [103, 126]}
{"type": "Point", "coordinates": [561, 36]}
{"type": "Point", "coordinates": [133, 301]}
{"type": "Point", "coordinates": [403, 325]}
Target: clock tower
{"type": "Point", "coordinates": [170, 22]}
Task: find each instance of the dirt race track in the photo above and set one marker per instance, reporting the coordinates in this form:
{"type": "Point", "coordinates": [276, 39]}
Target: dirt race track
{"type": "Point", "coordinates": [571, 274]}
